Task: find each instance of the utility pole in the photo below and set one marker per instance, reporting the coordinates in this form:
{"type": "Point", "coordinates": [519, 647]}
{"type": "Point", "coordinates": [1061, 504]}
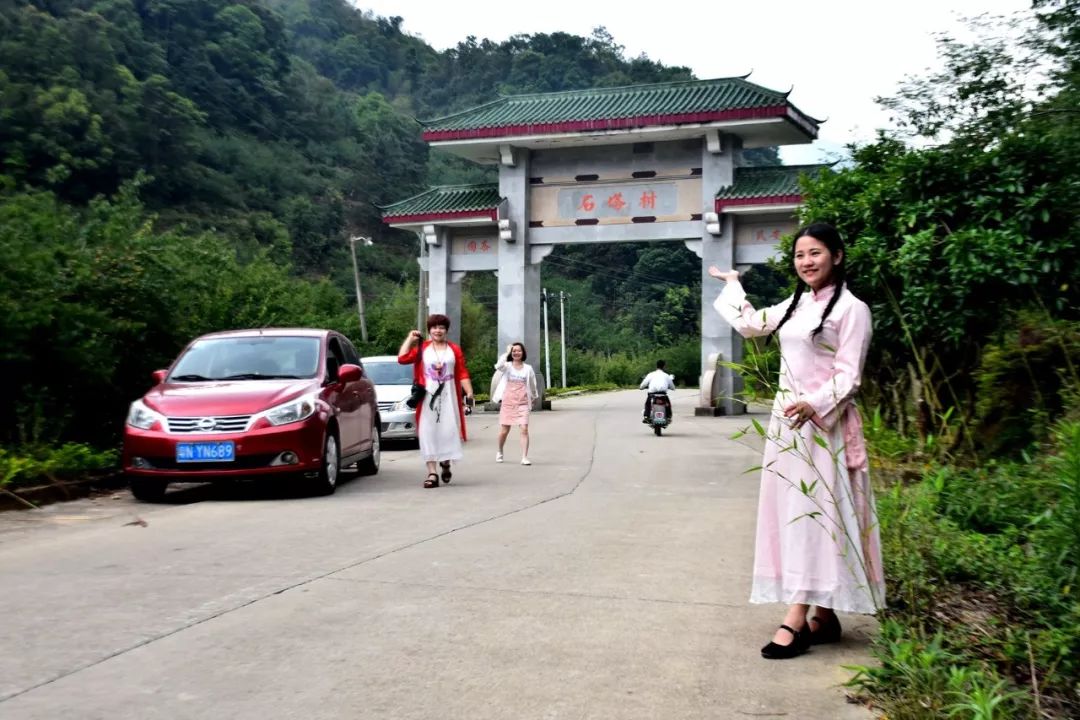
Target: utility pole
{"type": "Point", "coordinates": [562, 326]}
{"type": "Point", "coordinates": [547, 346]}
{"type": "Point", "coordinates": [356, 278]}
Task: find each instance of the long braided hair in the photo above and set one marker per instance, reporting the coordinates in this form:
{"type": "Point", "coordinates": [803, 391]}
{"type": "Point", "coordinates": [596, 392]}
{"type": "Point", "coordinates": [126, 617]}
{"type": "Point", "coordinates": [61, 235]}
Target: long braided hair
{"type": "Point", "coordinates": [830, 236]}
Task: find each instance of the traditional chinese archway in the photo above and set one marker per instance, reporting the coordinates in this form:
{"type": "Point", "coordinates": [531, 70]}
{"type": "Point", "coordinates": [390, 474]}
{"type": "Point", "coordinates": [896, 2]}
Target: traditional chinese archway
{"type": "Point", "coordinates": [656, 162]}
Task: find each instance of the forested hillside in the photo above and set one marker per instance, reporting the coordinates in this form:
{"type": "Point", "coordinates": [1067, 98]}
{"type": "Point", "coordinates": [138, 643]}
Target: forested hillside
{"type": "Point", "coordinates": [163, 160]}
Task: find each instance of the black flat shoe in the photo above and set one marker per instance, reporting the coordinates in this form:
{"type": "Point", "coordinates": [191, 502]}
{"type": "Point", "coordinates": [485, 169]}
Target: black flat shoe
{"type": "Point", "coordinates": [432, 481]}
{"type": "Point", "coordinates": [446, 474]}
{"type": "Point", "coordinates": [827, 632]}
{"type": "Point", "coordinates": [799, 644]}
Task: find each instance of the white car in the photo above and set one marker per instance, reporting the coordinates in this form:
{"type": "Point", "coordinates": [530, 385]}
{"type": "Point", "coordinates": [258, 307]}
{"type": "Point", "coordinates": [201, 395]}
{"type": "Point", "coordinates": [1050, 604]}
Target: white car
{"type": "Point", "coordinates": [393, 382]}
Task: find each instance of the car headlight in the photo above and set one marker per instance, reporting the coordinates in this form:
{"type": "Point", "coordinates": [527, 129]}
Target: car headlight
{"type": "Point", "coordinates": [401, 405]}
{"type": "Point", "coordinates": [142, 417]}
{"type": "Point", "coordinates": [292, 411]}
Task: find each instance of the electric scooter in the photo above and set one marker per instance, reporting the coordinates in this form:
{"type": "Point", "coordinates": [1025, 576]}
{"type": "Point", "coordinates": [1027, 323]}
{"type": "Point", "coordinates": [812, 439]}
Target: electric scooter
{"type": "Point", "coordinates": [659, 411]}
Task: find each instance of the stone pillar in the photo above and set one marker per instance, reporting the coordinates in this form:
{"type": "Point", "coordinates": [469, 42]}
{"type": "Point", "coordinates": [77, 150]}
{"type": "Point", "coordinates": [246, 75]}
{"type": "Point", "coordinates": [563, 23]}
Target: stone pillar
{"type": "Point", "coordinates": [717, 336]}
{"type": "Point", "coordinates": [444, 286]}
{"type": "Point", "coordinates": [519, 278]}
{"type": "Point", "coordinates": [453, 305]}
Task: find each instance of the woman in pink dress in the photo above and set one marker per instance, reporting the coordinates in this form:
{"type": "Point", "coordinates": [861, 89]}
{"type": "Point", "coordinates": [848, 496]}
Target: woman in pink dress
{"type": "Point", "coordinates": [817, 541]}
{"type": "Point", "coordinates": [516, 390]}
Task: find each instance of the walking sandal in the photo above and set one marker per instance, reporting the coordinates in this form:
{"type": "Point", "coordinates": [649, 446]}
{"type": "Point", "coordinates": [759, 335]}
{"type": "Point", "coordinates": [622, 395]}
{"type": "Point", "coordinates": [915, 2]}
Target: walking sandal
{"type": "Point", "coordinates": [432, 481]}
{"type": "Point", "coordinates": [446, 474]}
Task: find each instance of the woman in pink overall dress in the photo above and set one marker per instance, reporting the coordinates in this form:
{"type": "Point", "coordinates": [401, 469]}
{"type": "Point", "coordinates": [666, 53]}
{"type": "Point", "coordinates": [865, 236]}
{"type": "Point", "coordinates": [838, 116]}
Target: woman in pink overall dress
{"type": "Point", "coordinates": [516, 391]}
{"type": "Point", "coordinates": [817, 542]}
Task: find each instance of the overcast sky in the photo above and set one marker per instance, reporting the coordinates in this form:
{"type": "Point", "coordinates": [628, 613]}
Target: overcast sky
{"type": "Point", "coordinates": [838, 55]}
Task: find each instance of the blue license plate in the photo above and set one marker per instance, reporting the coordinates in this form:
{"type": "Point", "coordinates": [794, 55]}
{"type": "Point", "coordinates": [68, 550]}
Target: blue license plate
{"type": "Point", "coordinates": [193, 452]}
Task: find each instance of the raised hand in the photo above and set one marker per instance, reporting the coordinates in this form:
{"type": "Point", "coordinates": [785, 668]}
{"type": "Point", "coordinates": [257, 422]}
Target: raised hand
{"type": "Point", "coordinates": [725, 275]}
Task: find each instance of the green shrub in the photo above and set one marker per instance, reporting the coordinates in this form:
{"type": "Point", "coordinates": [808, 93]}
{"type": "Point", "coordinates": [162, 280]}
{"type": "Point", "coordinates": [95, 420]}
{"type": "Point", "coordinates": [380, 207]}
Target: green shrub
{"type": "Point", "coordinates": [1020, 379]}
{"type": "Point", "coordinates": [919, 677]}
{"type": "Point", "coordinates": [36, 465]}
{"type": "Point", "coordinates": [987, 558]}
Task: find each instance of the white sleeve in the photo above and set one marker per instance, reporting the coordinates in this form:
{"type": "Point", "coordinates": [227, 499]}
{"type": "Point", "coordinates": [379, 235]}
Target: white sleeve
{"type": "Point", "coordinates": [748, 322]}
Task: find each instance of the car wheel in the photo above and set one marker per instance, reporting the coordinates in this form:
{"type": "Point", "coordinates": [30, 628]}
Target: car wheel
{"type": "Point", "coordinates": [370, 464]}
{"type": "Point", "coordinates": [331, 466]}
{"type": "Point", "coordinates": [146, 490]}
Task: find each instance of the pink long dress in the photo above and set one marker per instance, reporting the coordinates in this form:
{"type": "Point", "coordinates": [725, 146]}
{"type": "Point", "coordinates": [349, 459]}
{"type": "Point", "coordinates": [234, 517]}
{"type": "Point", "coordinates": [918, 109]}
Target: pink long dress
{"type": "Point", "coordinates": [817, 536]}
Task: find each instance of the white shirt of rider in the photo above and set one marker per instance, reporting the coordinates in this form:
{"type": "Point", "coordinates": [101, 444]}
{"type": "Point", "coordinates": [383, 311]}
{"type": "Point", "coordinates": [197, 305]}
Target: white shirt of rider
{"type": "Point", "coordinates": [658, 381]}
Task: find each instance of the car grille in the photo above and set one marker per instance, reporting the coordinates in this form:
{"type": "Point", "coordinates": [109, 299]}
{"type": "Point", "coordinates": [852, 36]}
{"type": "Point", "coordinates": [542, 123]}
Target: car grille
{"type": "Point", "coordinates": [386, 406]}
{"type": "Point", "coordinates": [222, 424]}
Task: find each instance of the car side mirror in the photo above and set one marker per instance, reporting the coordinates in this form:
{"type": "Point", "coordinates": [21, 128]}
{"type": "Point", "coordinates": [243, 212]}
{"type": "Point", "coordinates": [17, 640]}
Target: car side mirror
{"type": "Point", "coordinates": [158, 376]}
{"type": "Point", "coordinates": [349, 373]}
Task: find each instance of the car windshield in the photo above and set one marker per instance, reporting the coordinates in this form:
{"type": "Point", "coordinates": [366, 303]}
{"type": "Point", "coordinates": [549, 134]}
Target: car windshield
{"type": "Point", "coordinates": [389, 373]}
{"type": "Point", "coordinates": [248, 358]}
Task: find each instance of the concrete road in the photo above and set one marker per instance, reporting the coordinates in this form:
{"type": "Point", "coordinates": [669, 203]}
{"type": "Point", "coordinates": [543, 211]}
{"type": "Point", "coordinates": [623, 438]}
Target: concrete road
{"type": "Point", "coordinates": [608, 580]}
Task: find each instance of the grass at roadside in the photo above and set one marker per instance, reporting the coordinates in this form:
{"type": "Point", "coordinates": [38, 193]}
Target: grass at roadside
{"type": "Point", "coordinates": [41, 464]}
{"type": "Point", "coordinates": [581, 389]}
{"type": "Point", "coordinates": [982, 570]}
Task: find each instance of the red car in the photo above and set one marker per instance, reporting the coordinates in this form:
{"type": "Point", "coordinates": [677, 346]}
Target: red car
{"type": "Point", "coordinates": [254, 403]}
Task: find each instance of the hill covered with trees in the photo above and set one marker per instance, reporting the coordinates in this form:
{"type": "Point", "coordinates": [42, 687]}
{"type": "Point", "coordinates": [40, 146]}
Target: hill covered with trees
{"type": "Point", "coordinates": [163, 160]}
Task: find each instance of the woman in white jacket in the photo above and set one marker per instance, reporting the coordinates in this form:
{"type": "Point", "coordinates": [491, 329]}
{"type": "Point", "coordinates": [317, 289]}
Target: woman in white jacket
{"type": "Point", "coordinates": [516, 390]}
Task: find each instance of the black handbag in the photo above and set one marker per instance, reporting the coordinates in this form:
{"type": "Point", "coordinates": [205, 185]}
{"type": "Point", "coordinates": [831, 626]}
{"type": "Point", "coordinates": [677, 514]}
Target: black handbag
{"type": "Point", "coordinates": [416, 395]}
{"type": "Point", "coordinates": [418, 391]}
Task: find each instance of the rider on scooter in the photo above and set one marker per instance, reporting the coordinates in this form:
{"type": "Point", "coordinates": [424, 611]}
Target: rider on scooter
{"type": "Point", "coordinates": [656, 381]}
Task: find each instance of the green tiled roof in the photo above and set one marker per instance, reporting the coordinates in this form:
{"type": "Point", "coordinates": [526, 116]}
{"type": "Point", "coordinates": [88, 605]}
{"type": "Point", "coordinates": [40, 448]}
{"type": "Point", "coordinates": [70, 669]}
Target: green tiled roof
{"type": "Point", "coordinates": [766, 182]}
{"type": "Point", "coordinates": [446, 199]}
{"type": "Point", "coordinates": [671, 102]}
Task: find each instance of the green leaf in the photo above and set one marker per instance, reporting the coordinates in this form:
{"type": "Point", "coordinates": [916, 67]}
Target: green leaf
{"type": "Point", "coordinates": [821, 441]}
{"type": "Point", "coordinates": [757, 426]}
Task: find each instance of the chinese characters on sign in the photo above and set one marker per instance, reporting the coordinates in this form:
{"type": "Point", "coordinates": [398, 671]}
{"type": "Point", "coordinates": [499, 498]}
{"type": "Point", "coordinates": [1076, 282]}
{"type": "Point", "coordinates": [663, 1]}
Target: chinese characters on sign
{"type": "Point", "coordinates": [762, 234]}
{"type": "Point", "coordinates": [599, 201]}
{"type": "Point", "coordinates": [474, 245]}
{"type": "Point", "coordinates": [477, 246]}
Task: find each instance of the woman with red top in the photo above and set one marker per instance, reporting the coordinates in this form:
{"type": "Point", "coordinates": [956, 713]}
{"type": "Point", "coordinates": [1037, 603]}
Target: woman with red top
{"type": "Point", "coordinates": [438, 365]}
